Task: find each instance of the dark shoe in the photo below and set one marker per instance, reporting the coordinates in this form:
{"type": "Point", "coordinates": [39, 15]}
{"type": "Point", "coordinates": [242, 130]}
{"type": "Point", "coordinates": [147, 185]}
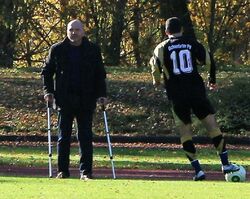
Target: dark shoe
{"type": "Point", "coordinates": [85, 177]}
{"type": "Point", "coordinates": [199, 176]}
{"type": "Point", "coordinates": [230, 168]}
{"type": "Point", "coordinates": [62, 175]}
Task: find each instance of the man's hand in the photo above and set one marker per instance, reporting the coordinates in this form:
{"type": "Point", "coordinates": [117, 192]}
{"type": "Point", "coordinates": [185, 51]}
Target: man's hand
{"type": "Point", "coordinates": [102, 101]}
{"type": "Point", "coordinates": [212, 87]}
{"type": "Point", "coordinates": [49, 98]}
{"type": "Point", "coordinates": [157, 86]}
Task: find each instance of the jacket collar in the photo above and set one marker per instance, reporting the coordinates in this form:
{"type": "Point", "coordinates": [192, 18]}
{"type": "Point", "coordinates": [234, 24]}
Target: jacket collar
{"type": "Point", "coordinates": [66, 41]}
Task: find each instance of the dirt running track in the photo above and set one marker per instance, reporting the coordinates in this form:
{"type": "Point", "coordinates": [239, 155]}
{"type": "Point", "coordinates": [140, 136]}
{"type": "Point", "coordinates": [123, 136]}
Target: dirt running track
{"type": "Point", "coordinates": [120, 173]}
{"type": "Point", "coordinates": [123, 173]}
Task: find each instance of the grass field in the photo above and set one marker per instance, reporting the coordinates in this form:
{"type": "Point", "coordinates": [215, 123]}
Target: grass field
{"type": "Point", "coordinates": [17, 187]}
{"type": "Point", "coordinates": [132, 158]}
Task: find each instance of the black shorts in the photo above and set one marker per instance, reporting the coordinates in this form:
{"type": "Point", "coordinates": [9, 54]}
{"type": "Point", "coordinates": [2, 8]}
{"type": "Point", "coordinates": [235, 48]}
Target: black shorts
{"type": "Point", "coordinates": [199, 105]}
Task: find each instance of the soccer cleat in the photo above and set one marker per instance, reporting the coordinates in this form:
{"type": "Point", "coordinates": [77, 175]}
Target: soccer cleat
{"type": "Point", "coordinates": [199, 176]}
{"type": "Point", "coordinates": [230, 168]}
{"type": "Point", "coordinates": [85, 177]}
{"type": "Point", "coordinates": [62, 175]}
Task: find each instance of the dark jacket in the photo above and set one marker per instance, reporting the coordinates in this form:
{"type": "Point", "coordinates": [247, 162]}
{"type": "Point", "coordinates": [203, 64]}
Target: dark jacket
{"type": "Point", "coordinates": [56, 78]}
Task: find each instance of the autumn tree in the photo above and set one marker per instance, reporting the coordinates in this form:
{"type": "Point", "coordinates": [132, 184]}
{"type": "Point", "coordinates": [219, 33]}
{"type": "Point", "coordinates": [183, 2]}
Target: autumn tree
{"type": "Point", "coordinates": [117, 27]}
{"type": "Point", "coordinates": [126, 30]}
{"type": "Point", "coordinates": [7, 32]}
{"type": "Point", "coordinates": [225, 25]}
{"type": "Point", "coordinates": [178, 8]}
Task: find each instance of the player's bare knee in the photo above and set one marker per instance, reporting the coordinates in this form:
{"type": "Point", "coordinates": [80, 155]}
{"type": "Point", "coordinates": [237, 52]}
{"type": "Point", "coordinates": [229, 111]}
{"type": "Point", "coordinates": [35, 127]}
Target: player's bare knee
{"type": "Point", "coordinates": [214, 132]}
{"type": "Point", "coordinates": [185, 137]}
{"type": "Point", "coordinates": [210, 123]}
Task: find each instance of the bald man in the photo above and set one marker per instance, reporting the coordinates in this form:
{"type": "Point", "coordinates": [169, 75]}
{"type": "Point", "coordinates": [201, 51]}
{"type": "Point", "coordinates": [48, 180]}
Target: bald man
{"type": "Point", "coordinates": [74, 76]}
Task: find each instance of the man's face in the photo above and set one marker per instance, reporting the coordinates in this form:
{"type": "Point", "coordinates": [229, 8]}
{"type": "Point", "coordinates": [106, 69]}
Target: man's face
{"type": "Point", "coordinates": [75, 32]}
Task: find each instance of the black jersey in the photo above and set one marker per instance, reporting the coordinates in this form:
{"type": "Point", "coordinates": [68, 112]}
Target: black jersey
{"type": "Point", "coordinates": [178, 57]}
{"type": "Point", "coordinates": [181, 56]}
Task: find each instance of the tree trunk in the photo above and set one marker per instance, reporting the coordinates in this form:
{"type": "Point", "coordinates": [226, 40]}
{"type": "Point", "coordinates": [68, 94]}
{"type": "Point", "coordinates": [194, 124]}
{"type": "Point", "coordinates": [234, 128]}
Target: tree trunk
{"type": "Point", "coordinates": [7, 33]}
{"type": "Point", "coordinates": [134, 34]}
{"type": "Point", "coordinates": [211, 28]}
{"type": "Point", "coordinates": [178, 8]}
{"type": "Point", "coordinates": [113, 50]}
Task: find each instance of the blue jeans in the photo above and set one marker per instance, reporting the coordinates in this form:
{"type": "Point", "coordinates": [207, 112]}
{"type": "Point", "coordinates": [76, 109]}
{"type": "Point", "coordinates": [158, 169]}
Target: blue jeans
{"type": "Point", "coordinates": [85, 136]}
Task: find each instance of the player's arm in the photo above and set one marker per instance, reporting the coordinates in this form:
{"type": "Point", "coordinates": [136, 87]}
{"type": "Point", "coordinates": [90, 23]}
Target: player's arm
{"type": "Point", "coordinates": [155, 70]}
{"type": "Point", "coordinates": [210, 63]}
{"type": "Point", "coordinates": [206, 59]}
{"type": "Point", "coordinates": [156, 63]}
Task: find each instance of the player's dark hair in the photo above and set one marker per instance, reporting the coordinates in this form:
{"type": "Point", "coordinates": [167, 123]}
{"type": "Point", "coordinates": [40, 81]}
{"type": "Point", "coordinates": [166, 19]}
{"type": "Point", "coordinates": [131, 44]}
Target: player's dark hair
{"type": "Point", "coordinates": [173, 25]}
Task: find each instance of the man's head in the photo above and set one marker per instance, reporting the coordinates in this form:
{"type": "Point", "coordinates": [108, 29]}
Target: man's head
{"type": "Point", "coordinates": [75, 32]}
{"type": "Point", "coordinates": [173, 26]}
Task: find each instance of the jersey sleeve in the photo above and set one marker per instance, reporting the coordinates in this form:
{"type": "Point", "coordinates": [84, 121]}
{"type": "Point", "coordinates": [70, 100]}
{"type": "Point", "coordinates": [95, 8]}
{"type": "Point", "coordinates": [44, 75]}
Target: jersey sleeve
{"type": "Point", "coordinates": [205, 58]}
{"type": "Point", "coordinates": [48, 72]}
{"type": "Point", "coordinates": [156, 63]}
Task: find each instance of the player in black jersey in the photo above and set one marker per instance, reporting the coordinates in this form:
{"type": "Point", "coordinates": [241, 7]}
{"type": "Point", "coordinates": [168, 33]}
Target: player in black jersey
{"type": "Point", "coordinates": [177, 58]}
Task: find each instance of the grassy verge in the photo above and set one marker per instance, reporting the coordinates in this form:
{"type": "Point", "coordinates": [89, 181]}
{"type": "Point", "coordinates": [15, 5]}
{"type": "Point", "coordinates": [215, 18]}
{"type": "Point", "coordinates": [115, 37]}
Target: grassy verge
{"type": "Point", "coordinates": [119, 189]}
{"type": "Point", "coordinates": [133, 158]}
{"type": "Point", "coordinates": [135, 108]}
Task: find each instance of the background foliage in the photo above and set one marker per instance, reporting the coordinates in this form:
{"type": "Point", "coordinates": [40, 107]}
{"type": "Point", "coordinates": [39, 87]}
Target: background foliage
{"type": "Point", "coordinates": [126, 30]}
{"type": "Point", "coordinates": [134, 109]}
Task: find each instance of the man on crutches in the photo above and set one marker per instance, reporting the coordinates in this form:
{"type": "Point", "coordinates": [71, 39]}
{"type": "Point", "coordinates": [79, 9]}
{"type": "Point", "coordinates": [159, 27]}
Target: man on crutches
{"type": "Point", "coordinates": [74, 75]}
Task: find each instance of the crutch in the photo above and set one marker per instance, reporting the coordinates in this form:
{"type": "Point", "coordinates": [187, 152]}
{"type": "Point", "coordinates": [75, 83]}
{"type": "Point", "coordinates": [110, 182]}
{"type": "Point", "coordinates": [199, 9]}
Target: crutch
{"type": "Point", "coordinates": [49, 107]}
{"type": "Point", "coordinates": [108, 140]}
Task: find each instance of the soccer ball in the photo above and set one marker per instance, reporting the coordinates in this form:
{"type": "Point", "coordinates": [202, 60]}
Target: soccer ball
{"type": "Point", "coordinates": [237, 176]}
